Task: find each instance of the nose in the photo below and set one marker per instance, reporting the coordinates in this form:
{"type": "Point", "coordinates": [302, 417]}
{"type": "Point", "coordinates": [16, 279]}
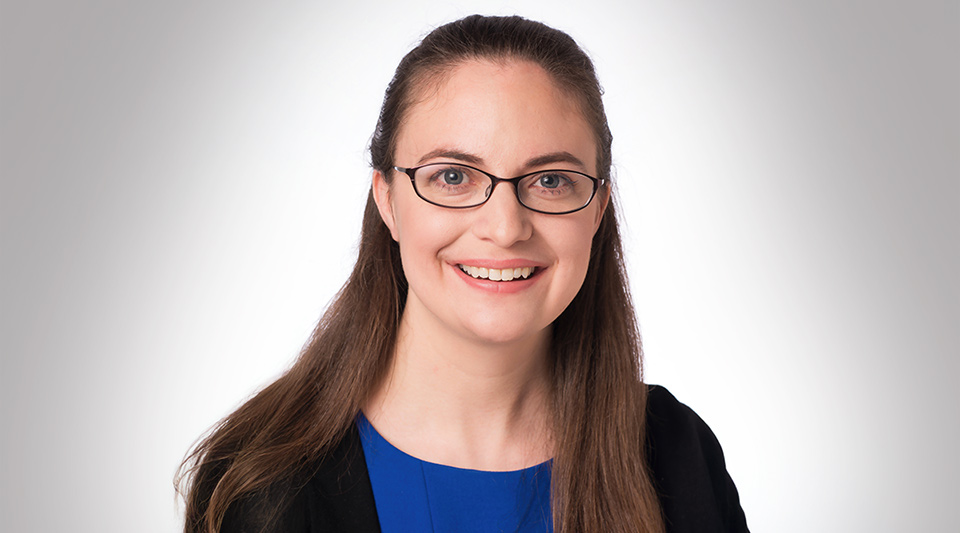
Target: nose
{"type": "Point", "coordinates": [501, 219]}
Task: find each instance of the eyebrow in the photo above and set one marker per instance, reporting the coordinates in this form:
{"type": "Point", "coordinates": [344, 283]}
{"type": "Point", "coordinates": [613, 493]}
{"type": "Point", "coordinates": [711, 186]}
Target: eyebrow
{"type": "Point", "coordinates": [555, 157]}
{"type": "Point", "coordinates": [538, 161]}
{"type": "Point", "coordinates": [451, 154]}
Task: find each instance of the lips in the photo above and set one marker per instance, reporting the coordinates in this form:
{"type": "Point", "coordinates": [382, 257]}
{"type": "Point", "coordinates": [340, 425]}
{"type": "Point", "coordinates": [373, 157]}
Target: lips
{"type": "Point", "coordinates": [498, 274]}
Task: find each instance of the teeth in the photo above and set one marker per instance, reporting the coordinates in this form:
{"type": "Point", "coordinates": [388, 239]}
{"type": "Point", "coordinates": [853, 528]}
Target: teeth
{"type": "Point", "coordinates": [497, 274]}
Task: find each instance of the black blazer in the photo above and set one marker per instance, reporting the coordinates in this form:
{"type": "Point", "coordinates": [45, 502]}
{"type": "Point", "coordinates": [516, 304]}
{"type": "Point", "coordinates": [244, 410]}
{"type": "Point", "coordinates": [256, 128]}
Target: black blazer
{"type": "Point", "coordinates": [696, 493]}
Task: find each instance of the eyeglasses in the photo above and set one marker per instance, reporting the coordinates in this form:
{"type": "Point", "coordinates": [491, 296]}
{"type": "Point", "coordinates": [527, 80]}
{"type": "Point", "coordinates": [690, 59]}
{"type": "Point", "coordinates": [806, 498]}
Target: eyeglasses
{"type": "Point", "coordinates": [554, 192]}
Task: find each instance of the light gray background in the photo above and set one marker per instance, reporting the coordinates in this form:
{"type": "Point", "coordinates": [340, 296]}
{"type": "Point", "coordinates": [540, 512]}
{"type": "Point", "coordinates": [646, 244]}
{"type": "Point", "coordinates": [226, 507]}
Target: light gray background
{"type": "Point", "coordinates": [182, 185]}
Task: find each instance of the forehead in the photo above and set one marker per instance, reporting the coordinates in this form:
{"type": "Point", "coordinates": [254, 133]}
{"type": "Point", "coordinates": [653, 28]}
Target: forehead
{"type": "Point", "coordinates": [501, 111]}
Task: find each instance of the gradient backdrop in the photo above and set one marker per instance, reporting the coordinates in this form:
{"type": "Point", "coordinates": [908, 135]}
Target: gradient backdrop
{"type": "Point", "coordinates": [182, 185]}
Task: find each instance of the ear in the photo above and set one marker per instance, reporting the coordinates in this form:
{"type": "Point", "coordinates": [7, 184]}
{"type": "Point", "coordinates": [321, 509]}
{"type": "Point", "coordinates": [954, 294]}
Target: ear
{"type": "Point", "coordinates": [603, 197]}
{"type": "Point", "coordinates": [381, 195]}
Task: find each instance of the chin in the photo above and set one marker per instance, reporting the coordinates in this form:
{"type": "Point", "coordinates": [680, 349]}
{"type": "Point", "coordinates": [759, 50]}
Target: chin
{"type": "Point", "coordinates": [500, 333]}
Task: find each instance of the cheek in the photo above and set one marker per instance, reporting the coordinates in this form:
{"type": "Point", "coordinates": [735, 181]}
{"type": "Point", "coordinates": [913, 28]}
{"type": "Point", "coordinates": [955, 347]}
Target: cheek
{"type": "Point", "coordinates": [422, 234]}
{"type": "Point", "coordinates": [580, 249]}
{"type": "Point", "coordinates": [572, 243]}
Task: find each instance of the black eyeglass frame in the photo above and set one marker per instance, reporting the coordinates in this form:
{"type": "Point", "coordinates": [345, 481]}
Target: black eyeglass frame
{"type": "Point", "coordinates": [412, 172]}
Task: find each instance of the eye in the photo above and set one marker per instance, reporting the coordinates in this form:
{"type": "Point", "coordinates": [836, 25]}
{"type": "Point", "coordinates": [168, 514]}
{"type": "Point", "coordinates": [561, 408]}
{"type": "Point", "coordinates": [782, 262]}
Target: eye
{"type": "Point", "coordinates": [453, 176]}
{"type": "Point", "coordinates": [550, 181]}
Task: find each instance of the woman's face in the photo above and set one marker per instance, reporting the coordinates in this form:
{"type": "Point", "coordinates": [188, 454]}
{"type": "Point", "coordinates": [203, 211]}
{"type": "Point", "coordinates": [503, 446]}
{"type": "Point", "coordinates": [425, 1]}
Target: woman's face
{"type": "Point", "coordinates": [507, 119]}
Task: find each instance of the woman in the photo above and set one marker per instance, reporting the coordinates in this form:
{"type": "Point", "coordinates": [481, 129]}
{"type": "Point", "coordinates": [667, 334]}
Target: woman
{"type": "Point", "coordinates": [480, 369]}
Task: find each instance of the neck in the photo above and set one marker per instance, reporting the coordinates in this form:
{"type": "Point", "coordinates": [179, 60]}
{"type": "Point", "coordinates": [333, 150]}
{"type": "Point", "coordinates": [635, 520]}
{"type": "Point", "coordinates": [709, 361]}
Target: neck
{"type": "Point", "coordinates": [466, 403]}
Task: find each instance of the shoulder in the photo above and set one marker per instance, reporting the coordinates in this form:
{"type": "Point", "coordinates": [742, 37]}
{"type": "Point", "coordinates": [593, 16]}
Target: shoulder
{"type": "Point", "coordinates": [332, 493]}
{"type": "Point", "coordinates": [670, 420]}
{"type": "Point", "coordinates": [688, 468]}
{"type": "Point", "coordinates": [279, 507]}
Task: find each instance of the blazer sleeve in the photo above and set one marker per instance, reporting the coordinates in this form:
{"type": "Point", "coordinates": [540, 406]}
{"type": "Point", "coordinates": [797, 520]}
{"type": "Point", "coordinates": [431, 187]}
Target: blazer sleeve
{"type": "Point", "coordinates": [688, 468]}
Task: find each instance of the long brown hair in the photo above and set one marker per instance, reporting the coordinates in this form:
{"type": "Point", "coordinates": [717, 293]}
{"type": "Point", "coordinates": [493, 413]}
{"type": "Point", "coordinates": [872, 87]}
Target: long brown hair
{"type": "Point", "coordinates": [600, 478]}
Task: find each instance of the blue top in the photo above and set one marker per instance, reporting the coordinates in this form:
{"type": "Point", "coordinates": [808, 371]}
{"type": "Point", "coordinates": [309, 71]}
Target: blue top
{"type": "Point", "coordinates": [415, 495]}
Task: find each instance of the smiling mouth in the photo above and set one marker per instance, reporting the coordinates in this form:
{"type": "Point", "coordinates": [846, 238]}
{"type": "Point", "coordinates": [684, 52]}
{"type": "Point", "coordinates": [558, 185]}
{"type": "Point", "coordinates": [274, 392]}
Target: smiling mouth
{"type": "Point", "coordinates": [498, 274]}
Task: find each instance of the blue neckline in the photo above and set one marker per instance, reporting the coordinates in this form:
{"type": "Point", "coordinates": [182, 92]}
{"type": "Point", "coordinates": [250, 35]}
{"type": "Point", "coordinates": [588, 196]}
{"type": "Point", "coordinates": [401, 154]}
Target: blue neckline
{"type": "Point", "coordinates": [368, 432]}
{"type": "Point", "coordinates": [416, 495]}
